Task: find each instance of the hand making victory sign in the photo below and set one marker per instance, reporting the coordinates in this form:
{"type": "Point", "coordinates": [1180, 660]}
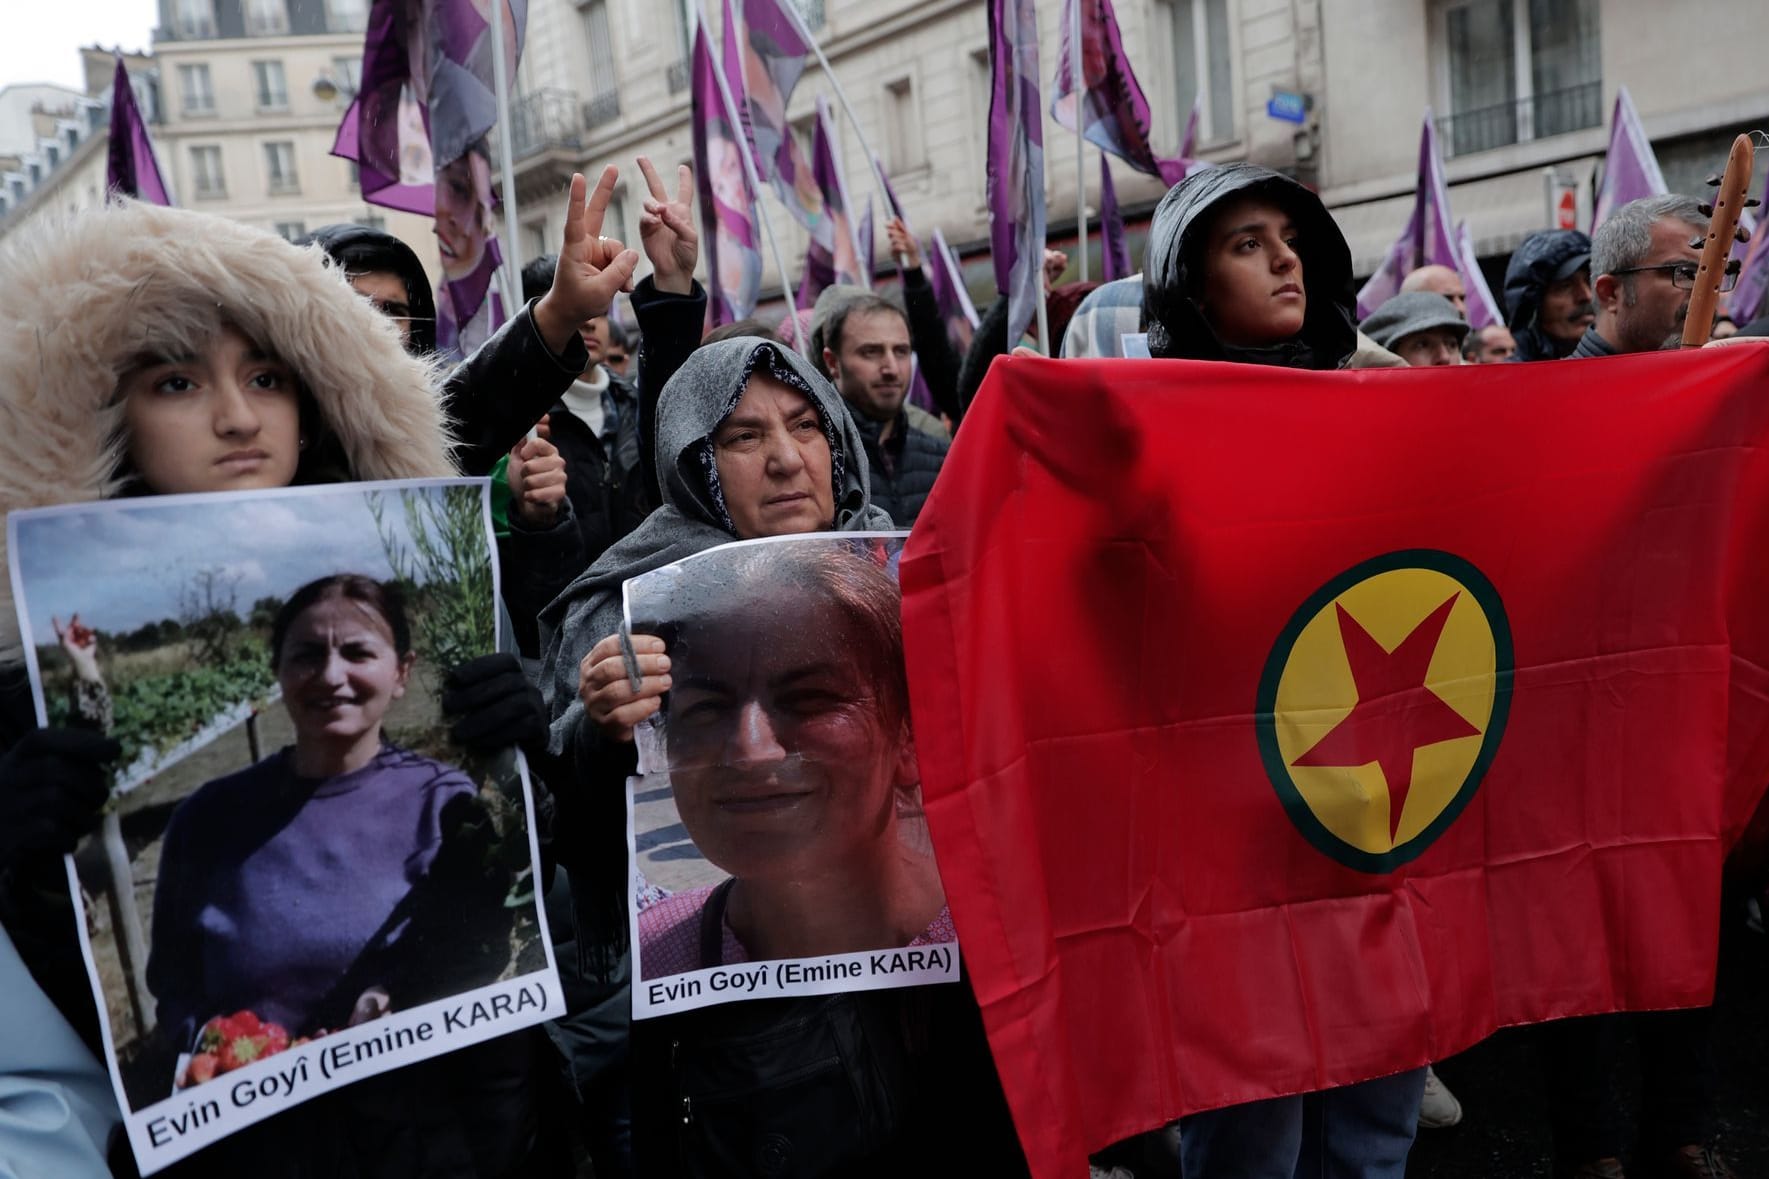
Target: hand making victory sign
{"type": "Point", "coordinates": [666, 229]}
{"type": "Point", "coordinates": [592, 269]}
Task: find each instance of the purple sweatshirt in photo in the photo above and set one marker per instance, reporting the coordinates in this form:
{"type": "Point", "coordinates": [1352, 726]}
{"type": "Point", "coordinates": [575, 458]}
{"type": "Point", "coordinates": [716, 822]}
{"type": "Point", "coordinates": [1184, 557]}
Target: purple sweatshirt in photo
{"type": "Point", "coordinates": [271, 886]}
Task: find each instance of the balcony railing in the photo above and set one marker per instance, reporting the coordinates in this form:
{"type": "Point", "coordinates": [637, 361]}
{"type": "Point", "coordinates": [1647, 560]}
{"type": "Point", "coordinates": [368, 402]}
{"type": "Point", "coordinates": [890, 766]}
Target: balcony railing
{"type": "Point", "coordinates": [812, 11]}
{"type": "Point", "coordinates": [678, 76]}
{"type": "Point", "coordinates": [603, 108]}
{"type": "Point", "coordinates": [1554, 112]}
{"type": "Point", "coordinates": [545, 119]}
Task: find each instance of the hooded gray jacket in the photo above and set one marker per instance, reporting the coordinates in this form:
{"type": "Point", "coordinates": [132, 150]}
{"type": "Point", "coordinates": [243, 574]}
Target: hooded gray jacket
{"type": "Point", "coordinates": [700, 396]}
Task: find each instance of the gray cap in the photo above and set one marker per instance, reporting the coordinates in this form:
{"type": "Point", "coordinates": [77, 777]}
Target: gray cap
{"type": "Point", "coordinates": [1414, 311]}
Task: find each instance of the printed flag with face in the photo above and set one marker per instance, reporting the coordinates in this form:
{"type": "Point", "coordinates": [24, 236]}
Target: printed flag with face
{"type": "Point", "coordinates": [1114, 114]}
{"type": "Point", "coordinates": [1483, 309]}
{"type": "Point", "coordinates": [1746, 301]}
{"type": "Point", "coordinates": [727, 202]}
{"type": "Point", "coordinates": [1427, 240]}
{"type": "Point", "coordinates": [835, 251]}
{"type": "Point", "coordinates": [1630, 170]}
{"type": "Point", "coordinates": [417, 130]}
{"type": "Point", "coordinates": [1016, 161]}
{"type": "Point", "coordinates": [131, 170]}
{"type": "Point", "coordinates": [763, 58]}
{"type": "Point", "coordinates": [950, 294]}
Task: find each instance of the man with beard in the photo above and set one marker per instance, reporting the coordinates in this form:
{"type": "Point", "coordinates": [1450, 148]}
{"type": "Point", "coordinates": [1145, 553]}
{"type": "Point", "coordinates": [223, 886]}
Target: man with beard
{"type": "Point", "coordinates": [866, 352]}
{"type": "Point", "coordinates": [1548, 294]}
{"type": "Point", "coordinates": [1645, 272]}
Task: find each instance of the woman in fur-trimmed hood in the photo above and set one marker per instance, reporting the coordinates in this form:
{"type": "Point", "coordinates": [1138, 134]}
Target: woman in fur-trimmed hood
{"type": "Point", "coordinates": [147, 351]}
{"type": "Point", "coordinates": [85, 301]}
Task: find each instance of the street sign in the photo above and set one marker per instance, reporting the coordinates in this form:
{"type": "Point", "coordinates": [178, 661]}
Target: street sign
{"type": "Point", "coordinates": [1288, 106]}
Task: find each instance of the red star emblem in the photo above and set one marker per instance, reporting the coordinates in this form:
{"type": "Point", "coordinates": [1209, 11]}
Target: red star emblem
{"type": "Point", "coordinates": [1396, 714]}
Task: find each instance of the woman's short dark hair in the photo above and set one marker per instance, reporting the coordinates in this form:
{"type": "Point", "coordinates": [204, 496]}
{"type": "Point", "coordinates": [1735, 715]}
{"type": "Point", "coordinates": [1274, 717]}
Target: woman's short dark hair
{"type": "Point", "coordinates": [383, 597]}
{"type": "Point", "coordinates": [734, 583]}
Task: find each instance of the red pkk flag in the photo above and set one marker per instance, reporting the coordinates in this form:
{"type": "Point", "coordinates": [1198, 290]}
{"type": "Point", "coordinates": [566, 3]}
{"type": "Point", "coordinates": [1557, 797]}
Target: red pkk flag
{"type": "Point", "coordinates": [1392, 711]}
{"type": "Point", "coordinates": [1427, 240]}
{"type": "Point", "coordinates": [1115, 253]}
{"type": "Point", "coordinates": [1630, 170]}
{"type": "Point", "coordinates": [131, 169]}
{"type": "Point", "coordinates": [1015, 165]}
{"type": "Point", "coordinates": [1483, 309]}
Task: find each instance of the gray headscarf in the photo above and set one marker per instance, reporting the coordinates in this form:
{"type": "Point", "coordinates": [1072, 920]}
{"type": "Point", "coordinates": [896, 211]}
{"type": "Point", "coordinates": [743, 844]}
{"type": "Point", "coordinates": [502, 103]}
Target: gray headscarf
{"type": "Point", "coordinates": [693, 518]}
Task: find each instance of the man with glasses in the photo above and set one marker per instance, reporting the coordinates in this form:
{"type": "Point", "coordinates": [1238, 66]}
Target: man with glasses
{"type": "Point", "coordinates": [1645, 269]}
{"type": "Point", "coordinates": [1644, 265]}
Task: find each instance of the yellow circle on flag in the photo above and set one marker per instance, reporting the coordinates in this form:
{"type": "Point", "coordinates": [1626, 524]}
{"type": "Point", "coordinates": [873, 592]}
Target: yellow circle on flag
{"type": "Point", "coordinates": [1383, 703]}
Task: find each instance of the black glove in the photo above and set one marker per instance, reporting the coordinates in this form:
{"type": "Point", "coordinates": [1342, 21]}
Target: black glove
{"type": "Point", "coordinates": [52, 784]}
{"type": "Point", "coordinates": [493, 705]}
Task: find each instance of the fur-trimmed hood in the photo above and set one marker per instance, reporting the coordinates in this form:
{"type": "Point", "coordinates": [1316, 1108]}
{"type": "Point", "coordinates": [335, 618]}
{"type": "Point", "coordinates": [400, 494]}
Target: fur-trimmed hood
{"type": "Point", "coordinates": [82, 297]}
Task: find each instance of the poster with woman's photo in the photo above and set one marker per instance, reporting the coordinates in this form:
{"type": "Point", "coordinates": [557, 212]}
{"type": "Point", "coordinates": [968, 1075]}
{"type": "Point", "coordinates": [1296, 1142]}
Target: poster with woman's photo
{"type": "Point", "coordinates": [776, 831]}
{"type": "Point", "coordinates": [300, 880]}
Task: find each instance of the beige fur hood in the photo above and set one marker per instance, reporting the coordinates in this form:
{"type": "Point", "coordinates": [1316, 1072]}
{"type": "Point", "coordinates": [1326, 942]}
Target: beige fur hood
{"type": "Point", "coordinates": [82, 297]}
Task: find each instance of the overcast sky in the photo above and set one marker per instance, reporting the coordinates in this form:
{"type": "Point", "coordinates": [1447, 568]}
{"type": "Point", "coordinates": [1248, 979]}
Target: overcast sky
{"type": "Point", "coordinates": [123, 563]}
{"type": "Point", "coordinates": [43, 37]}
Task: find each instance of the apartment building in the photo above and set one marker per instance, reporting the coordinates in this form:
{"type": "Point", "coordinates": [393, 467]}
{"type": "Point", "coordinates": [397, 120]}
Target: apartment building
{"type": "Point", "coordinates": [253, 93]}
{"type": "Point", "coordinates": [1516, 86]}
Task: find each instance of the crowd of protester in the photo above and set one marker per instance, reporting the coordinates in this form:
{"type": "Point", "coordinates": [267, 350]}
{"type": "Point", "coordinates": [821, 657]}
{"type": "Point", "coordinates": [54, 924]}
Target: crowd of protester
{"type": "Point", "coordinates": [144, 345]}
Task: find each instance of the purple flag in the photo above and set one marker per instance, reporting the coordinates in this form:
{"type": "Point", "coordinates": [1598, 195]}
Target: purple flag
{"type": "Point", "coordinates": [1115, 250]}
{"type": "Point", "coordinates": [774, 49]}
{"type": "Point", "coordinates": [131, 170]}
{"type": "Point", "coordinates": [1483, 309]}
{"type": "Point", "coordinates": [417, 129]}
{"type": "Point", "coordinates": [1428, 239]}
{"type": "Point", "coordinates": [1630, 170]}
{"type": "Point", "coordinates": [1114, 114]}
{"type": "Point", "coordinates": [1746, 301]}
{"type": "Point", "coordinates": [889, 191]}
{"type": "Point", "coordinates": [1016, 161]}
{"type": "Point", "coordinates": [951, 295]}
{"type": "Point", "coordinates": [727, 202]}
{"type": "Point", "coordinates": [835, 248]}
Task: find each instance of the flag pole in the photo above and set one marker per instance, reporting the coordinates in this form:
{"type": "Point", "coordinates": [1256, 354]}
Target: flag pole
{"type": "Point", "coordinates": [1080, 140]}
{"type": "Point", "coordinates": [749, 169]}
{"type": "Point", "coordinates": [1043, 313]}
{"type": "Point", "coordinates": [841, 96]}
{"type": "Point", "coordinates": [500, 76]}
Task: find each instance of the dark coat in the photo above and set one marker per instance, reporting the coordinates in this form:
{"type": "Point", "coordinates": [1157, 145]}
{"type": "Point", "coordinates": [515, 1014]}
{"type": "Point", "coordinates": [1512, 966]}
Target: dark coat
{"type": "Point", "coordinates": [1527, 277]}
{"type": "Point", "coordinates": [1173, 274]}
{"type": "Point", "coordinates": [904, 466]}
{"type": "Point", "coordinates": [939, 363]}
{"type": "Point", "coordinates": [602, 481]}
{"type": "Point", "coordinates": [499, 393]}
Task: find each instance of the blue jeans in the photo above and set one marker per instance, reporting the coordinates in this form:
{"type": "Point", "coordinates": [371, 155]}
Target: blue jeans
{"type": "Point", "coordinates": [1361, 1131]}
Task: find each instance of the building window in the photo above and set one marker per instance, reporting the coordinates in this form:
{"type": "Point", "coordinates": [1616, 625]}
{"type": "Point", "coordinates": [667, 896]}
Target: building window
{"type": "Point", "coordinates": [194, 18]}
{"type": "Point", "coordinates": [604, 102]}
{"type": "Point", "coordinates": [374, 221]}
{"type": "Point", "coordinates": [199, 95]}
{"type": "Point", "coordinates": [812, 11]}
{"type": "Point", "coordinates": [347, 73]}
{"type": "Point", "coordinates": [279, 167]}
{"type": "Point", "coordinates": [1198, 39]}
{"type": "Point", "coordinates": [266, 18]}
{"type": "Point", "coordinates": [273, 89]}
{"type": "Point", "coordinates": [1518, 70]}
{"type": "Point", "coordinates": [903, 127]}
{"type": "Point", "coordinates": [291, 230]}
{"type": "Point", "coordinates": [205, 164]}
{"type": "Point", "coordinates": [347, 16]}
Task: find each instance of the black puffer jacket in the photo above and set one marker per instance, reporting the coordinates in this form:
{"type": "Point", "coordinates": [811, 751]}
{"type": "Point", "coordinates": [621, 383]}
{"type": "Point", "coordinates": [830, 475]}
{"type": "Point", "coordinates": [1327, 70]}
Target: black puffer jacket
{"type": "Point", "coordinates": [1173, 272]}
{"type": "Point", "coordinates": [904, 466]}
{"type": "Point", "coordinates": [1527, 278]}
